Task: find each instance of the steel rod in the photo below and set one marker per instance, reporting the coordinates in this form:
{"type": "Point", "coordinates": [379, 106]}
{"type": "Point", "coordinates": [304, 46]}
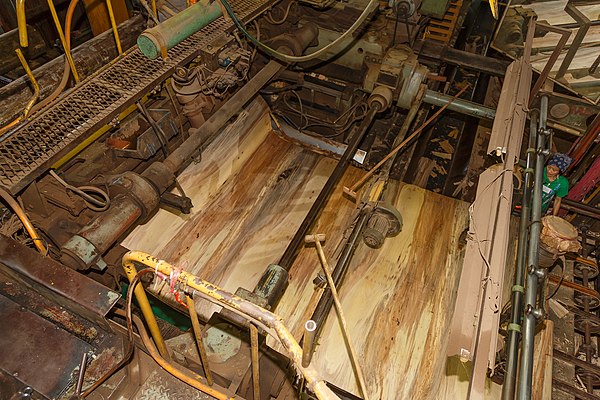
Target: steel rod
{"type": "Point", "coordinates": [255, 364]}
{"type": "Point", "coordinates": [514, 328]}
{"type": "Point", "coordinates": [310, 330]}
{"type": "Point", "coordinates": [341, 316]}
{"type": "Point", "coordinates": [288, 257]}
{"type": "Point", "coordinates": [459, 105]}
{"type": "Point", "coordinates": [198, 335]}
{"type": "Point", "coordinates": [531, 290]}
{"type": "Point", "coordinates": [81, 374]}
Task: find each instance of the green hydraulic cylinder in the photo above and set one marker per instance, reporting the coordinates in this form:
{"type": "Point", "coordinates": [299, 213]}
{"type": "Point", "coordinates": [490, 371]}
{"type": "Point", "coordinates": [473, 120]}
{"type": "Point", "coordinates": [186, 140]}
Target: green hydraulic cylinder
{"type": "Point", "coordinates": [156, 41]}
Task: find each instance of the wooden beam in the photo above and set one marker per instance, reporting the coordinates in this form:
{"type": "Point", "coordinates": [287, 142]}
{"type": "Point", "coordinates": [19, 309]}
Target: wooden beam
{"type": "Point", "coordinates": [97, 14]}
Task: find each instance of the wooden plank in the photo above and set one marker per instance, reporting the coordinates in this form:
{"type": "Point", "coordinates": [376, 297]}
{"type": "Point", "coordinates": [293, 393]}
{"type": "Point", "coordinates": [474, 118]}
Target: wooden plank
{"type": "Point", "coordinates": [251, 190]}
{"type": "Point", "coordinates": [97, 13]}
{"type": "Point", "coordinates": [399, 302]}
{"type": "Point", "coordinates": [542, 363]}
{"type": "Point", "coordinates": [553, 12]}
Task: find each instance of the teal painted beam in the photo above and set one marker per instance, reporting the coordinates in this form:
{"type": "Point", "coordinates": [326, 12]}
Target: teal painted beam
{"type": "Point", "coordinates": [156, 41]}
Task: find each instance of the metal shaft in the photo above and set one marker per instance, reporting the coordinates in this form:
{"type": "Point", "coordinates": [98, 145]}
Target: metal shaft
{"type": "Point", "coordinates": [531, 291]}
{"type": "Point", "coordinates": [291, 251]}
{"type": "Point", "coordinates": [326, 301]}
{"type": "Point", "coordinates": [459, 105]}
{"type": "Point", "coordinates": [514, 328]}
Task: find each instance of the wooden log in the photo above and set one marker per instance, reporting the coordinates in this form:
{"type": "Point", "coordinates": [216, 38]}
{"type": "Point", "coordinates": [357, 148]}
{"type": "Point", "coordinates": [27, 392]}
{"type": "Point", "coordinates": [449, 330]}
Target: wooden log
{"type": "Point", "coordinates": [9, 41]}
{"type": "Point", "coordinates": [88, 57]}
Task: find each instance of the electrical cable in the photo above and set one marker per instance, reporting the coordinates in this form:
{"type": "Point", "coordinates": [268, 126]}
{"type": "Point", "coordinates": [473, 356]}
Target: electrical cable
{"type": "Point", "coordinates": [270, 19]}
{"type": "Point", "coordinates": [91, 202]}
{"type": "Point", "coordinates": [294, 59]}
{"type": "Point", "coordinates": [562, 278]}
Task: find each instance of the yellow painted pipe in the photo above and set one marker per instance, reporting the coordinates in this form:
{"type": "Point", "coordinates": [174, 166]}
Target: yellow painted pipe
{"type": "Point", "coordinates": [22, 23]}
{"type": "Point", "coordinates": [249, 310]}
{"type": "Point", "coordinates": [63, 41]}
{"type": "Point", "coordinates": [113, 23]}
{"type": "Point", "coordinates": [154, 10]}
{"type": "Point", "coordinates": [31, 102]}
{"type": "Point", "coordinates": [12, 203]}
{"type": "Point", "coordinates": [140, 295]}
{"type": "Point", "coordinates": [36, 87]}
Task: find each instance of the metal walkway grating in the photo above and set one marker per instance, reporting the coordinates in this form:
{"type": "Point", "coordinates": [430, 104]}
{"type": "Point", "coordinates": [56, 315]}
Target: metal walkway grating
{"type": "Point", "coordinates": [32, 149]}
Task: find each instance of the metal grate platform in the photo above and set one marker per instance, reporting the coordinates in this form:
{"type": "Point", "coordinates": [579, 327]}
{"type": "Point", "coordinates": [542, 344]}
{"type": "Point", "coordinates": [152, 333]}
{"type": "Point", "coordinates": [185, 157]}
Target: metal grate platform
{"type": "Point", "coordinates": [53, 132]}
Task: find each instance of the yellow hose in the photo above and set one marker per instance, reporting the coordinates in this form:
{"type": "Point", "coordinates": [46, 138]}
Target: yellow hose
{"type": "Point", "coordinates": [189, 377]}
{"type": "Point", "coordinates": [25, 220]}
{"type": "Point", "coordinates": [63, 40]}
{"type": "Point", "coordinates": [36, 94]}
{"type": "Point", "coordinates": [140, 295]}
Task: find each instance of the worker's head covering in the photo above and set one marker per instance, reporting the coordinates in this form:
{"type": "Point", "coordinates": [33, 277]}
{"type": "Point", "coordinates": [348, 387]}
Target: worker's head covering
{"type": "Point", "coordinates": [562, 161]}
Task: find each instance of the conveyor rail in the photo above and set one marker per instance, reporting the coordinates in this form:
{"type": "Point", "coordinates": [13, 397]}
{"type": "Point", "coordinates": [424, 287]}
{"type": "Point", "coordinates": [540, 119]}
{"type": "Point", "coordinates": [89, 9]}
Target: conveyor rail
{"type": "Point", "coordinates": [28, 152]}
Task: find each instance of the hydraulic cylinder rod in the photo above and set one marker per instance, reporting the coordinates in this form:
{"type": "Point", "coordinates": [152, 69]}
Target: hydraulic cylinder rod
{"type": "Point", "coordinates": [532, 313]}
{"type": "Point", "coordinates": [514, 328]}
{"type": "Point", "coordinates": [459, 105]}
{"type": "Point", "coordinates": [163, 37]}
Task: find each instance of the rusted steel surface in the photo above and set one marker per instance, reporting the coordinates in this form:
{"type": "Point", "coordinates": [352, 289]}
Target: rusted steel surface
{"type": "Point", "coordinates": [56, 282]}
{"type": "Point", "coordinates": [37, 352]}
{"type": "Point", "coordinates": [36, 303]}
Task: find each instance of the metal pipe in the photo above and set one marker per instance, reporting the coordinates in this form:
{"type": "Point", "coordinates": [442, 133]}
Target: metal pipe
{"type": "Point", "coordinates": [113, 24]}
{"type": "Point", "coordinates": [326, 301]}
{"type": "Point", "coordinates": [157, 40]}
{"type": "Point", "coordinates": [140, 295]}
{"type": "Point", "coordinates": [255, 364]}
{"type": "Point", "coordinates": [36, 87]}
{"type": "Point", "coordinates": [198, 335]}
{"type": "Point", "coordinates": [31, 102]}
{"type": "Point", "coordinates": [580, 208]}
{"type": "Point", "coordinates": [22, 23]}
{"type": "Point", "coordinates": [214, 124]}
{"type": "Point", "coordinates": [531, 291]}
{"type": "Point", "coordinates": [63, 41]}
{"type": "Point", "coordinates": [272, 323]}
{"type": "Point", "coordinates": [459, 105]}
{"type": "Point", "coordinates": [81, 374]}
{"type": "Point", "coordinates": [514, 328]}
{"type": "Point", "coordinates": [288, 257]}
{"type": "Point", "coordinates": [310, 330]}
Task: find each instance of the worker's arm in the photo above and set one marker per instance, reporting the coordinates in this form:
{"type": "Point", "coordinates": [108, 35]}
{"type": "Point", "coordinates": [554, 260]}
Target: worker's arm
{"type": "Point", "coordinates": [556, 205]}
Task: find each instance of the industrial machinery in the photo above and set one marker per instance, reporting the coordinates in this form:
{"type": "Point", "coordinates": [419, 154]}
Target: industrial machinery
{"type": "Point", "coordinates": [373, 85]}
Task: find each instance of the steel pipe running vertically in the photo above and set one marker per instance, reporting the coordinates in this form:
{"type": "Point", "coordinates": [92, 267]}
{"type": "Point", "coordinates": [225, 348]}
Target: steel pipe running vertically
{"type": "Point", "coordinates": [514, 327]}
{"type": "Point", "coordinates": [534, 273]}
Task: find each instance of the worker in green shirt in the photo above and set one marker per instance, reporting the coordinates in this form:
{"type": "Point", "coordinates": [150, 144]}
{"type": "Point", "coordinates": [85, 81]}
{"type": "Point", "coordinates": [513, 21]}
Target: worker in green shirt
{"type": "Point", "coordinates": [555, 186]}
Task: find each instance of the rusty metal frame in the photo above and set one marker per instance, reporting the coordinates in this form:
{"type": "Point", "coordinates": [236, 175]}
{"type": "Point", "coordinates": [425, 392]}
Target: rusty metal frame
{"type": "Point", "coordinates": [566, 34]}
{"type": "Point", "coordinates": [584, 25]}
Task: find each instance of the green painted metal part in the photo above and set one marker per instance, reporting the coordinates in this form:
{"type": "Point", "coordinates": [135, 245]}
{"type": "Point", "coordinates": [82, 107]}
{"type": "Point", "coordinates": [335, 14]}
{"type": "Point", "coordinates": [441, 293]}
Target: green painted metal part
{"type": "Point", "coordinates": [157, 40]}
{"type": "Point", "coordinates": [434, 8]}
